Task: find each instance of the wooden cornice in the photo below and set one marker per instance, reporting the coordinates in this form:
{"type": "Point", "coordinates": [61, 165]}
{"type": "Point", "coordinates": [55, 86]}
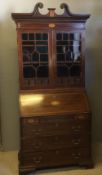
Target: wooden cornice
{"type": "Point", "coordinates": [51, 15]}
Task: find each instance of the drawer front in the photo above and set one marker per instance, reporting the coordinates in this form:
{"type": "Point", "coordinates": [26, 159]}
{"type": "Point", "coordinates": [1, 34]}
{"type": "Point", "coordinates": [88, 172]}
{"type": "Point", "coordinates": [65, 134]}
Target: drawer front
{"type": "Point", "coordinates": [45, 125]}
{"type": "Point", "coordinates": [54, 125]}
{"type": "Point", "coordinates": [56, 157]}
{"type": "Point", "coordinates": [54, 142]}
{"type": "Point", "coordinates": [47, 159]}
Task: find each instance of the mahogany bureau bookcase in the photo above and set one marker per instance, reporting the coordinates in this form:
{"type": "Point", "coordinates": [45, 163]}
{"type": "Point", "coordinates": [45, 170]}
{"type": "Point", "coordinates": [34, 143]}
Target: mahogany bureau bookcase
{"type": "Point", "coordinates": [55, 116]}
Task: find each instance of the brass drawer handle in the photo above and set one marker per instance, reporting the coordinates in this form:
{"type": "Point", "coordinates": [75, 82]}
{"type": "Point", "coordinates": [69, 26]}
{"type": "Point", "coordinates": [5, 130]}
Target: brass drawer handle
{"type": "Point", "coordinates": [76, 128]}
{"type": "Point", "coordinates": [37, 131]}
{"type": "Point", "coordinates": [76, 155]}
{"type": "Point", "coordinates": [37, 145]}
{"type": "Point", "coordinates": [76, 142]}
{"type": "Point", "coordinates": [37, 160]}
{"type": "Point", "coordinates": [30, 121]}
{"type": "Point", "coordinates": [81, 117]}
{"type": "Point", "coordinates": [73, 154]}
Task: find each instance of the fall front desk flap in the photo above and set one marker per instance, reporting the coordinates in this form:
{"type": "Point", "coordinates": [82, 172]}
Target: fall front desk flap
{"type": "Point", "coordinates": [52, 102]}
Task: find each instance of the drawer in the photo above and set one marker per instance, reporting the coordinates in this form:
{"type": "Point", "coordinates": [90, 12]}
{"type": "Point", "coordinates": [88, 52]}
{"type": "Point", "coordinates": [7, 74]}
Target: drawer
{"type": "Point", "coordinates": [53, 125]}
{"type": "Point", "coordinates": [52, 121]}
{"type": "Point", "coordinates": [55, 130]}
{"type": "Point", "coordinates": [47, 158]}
{"type": "Point", "coordinates": [54, 142]}
{"type": "Point", "coordinates": [55, 120]}
{"type": "Point", "coordinates": [48, 130]}
{"type": "Point", "coordinates": [56, 157]}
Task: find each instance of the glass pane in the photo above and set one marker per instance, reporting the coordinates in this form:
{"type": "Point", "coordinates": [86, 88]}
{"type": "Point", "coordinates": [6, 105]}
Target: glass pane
{"type": "Point", "coordinates": [38, 36]}
{"type": "Point", "coordinates": [45, 36]}
{"type": "Point", "coordinates": [42, 49]}
{"type": "Point", "coordinates": [31, 36]}
{"type": "Point", "coordinates": [60, 49]}
{"type": "Point", "coordinates": [41, 36]}
{"type": "Point", "coordinates": [62, 42]}
{"type": "Point", "coordinates": [29, 49]}
{"type": "Point", "coordinates": [69, 55]}
{"type": "Point", "coordinates": [25, 58]}
{"type": "Point", "coordinates": [24, 36]}
{"type": "Point", "coordinates": [41, 42]}
{"type": "Point", "coordinates": [62, 71]}
{"type": "Point", "coordinates": [71, 48]}
{"type": "Point", "coordinates": [28, 42]}
{"type": "Point", "coordinates": [75, 70]}
{"type": "Point", "coordinates": [59, 36]}
{"type": "Point", "coordinates": [60, 57]}
{"type": "Point", "coordinates": [28, 72]}
{"type": "Point", "coordinates": [44, 57]}
{"type": "Point", "coordinates": [35, 56]}
{"type": "Point", "coordinates": [65, 36]}
{"type": "Point", "coordinates": [77, 36]}
{"type": "Point", "coordinates": [27, 53]}
{"type": "Point", "coordinates": [71, 36]}
{"type": "Point", "coordinates": [42, 71]}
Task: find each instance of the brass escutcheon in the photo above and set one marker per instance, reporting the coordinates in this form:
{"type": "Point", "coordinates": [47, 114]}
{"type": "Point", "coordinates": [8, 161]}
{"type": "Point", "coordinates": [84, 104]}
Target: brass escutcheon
{"type": "Point", "coordinates": [52, 25]}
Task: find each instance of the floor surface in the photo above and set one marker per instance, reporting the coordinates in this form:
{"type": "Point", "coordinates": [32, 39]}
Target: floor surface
{"type": "Point", "coordinates": [9, 165]}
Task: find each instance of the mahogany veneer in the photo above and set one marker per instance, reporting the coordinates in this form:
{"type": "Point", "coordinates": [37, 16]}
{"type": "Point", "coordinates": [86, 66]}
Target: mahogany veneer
{"type": "Point", "coordinates": [55, 116]}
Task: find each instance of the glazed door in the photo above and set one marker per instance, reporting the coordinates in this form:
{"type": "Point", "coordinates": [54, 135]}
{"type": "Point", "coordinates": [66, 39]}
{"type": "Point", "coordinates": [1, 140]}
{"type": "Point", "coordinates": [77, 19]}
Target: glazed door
{"type": "Point", "coordinates": [68, 60]}
{"type": "Point", "coordinates": [35, 71]}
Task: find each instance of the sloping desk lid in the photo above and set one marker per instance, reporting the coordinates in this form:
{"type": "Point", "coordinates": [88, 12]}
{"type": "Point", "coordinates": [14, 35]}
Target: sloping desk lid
{"type": "Point", "coordinates": [53, 102]}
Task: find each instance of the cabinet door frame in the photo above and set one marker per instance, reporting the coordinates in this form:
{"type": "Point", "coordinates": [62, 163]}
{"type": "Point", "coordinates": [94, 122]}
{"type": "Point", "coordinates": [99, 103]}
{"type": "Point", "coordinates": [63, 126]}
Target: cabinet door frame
{"type": "Point", "coordinates": [20, 55]}
{"type": "Point", "coordinates": [82, 59]}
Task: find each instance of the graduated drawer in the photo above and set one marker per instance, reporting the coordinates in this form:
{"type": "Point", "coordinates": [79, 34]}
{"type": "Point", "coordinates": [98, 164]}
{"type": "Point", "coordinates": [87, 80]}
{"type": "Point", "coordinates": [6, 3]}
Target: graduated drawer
{"type": "Point", "coordinates": [53, 125]}
{"type": "Point", "coordinates": [55, 157]}
{"type": "Point", "coordinates": [51, 142]}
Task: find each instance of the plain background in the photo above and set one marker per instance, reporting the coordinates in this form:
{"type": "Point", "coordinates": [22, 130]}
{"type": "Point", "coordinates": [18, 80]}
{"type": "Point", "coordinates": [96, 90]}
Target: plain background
{"type": "Point", "coordinates": [9, 82]}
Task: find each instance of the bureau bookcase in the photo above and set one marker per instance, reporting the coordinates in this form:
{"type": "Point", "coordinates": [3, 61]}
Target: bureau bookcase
{"type": "Point", "coordinates": [55, 116]}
